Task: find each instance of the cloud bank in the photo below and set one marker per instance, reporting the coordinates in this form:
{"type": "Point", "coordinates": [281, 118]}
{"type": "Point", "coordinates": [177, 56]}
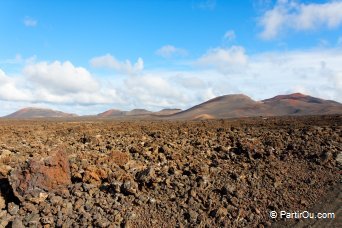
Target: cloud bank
{"type": "Point", "coordinates": [219, 71]}
{"type": "Point", "coordinates": [291, 15]}
{"type": "Point", "coordinates": [224, 59]}
{"type": "Point", "coordinates": [60, 78]}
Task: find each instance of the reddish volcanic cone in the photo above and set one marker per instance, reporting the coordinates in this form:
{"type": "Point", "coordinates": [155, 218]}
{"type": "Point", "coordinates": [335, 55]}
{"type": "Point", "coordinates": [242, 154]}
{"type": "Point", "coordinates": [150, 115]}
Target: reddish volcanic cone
{"type": "Point", "coordinates": [29, 113]}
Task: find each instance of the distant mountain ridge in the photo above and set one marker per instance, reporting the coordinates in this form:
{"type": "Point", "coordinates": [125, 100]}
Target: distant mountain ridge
{"type": "Point", "coordinates": [239, 105]}
{"type": "Point", "coordinates": [118, 113]}
{"type": "Point", "coordinates": [167, 111]}
{"type": "Point", "coordinates": [300, 97]}
{"type": "Point", "coordinates": [136, 112]}
{"type": "Point", "coordinates": [111, 112]}
{"type": "Point", "coordinates": [227, 106]}
{"type": "Point", "coordinates": [30, 112]}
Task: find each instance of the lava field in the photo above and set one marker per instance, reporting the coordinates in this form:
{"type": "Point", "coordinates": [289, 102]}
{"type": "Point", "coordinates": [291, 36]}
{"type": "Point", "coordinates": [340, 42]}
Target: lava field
{"type": "Point", "coordinates": [209, 173]}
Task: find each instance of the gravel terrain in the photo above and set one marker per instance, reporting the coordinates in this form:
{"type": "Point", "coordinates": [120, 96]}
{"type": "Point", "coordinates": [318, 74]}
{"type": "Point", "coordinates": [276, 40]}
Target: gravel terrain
{"type": "Point", "coordinates": [213, 173]}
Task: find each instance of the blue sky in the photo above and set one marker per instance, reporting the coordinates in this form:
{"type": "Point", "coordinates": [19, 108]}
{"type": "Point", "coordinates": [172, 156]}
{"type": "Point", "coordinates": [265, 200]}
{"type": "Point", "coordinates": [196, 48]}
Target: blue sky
{"type": "Point", "coordinates": [89, 56]}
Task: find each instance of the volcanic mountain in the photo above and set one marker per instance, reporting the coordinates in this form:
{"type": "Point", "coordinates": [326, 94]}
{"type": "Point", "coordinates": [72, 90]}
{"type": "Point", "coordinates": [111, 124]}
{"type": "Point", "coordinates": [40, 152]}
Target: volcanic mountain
{"type": "Point", "coordinates": [119, 113]}
{"type": "Point", "coordinates": [228, 106]}
{"type": "Point", "coordinates": [236, 105]}
{"type": "Point", "coordinates": [239, 105]}
{"type": "Point", "coordinates": [111, 113]}
{"type": "Point", "coordinates": [29, 113]}
{"type": "Point", "coordinates": [300, 104]}
{"type": "Point", "coordinates": [167, 111]}
{"type": "Point", "coordinates": [137, 113]}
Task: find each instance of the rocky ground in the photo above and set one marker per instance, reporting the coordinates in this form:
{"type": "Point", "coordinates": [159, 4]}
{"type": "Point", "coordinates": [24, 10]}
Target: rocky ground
{"type": "Point", "coordinates": [213, 173]}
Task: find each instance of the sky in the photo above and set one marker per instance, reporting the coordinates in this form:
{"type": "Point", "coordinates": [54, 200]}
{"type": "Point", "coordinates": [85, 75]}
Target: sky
{"type": "Point", "coordinates": [88, 56]}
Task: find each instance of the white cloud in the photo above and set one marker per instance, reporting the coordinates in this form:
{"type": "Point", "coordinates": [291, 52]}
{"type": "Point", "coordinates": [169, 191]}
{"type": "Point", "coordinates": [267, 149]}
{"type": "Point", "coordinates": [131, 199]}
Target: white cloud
{"type": "Point", "coordinates": [30, 22]}
{"type": "Point", "coordinates": [191, 82]}
{"type": "Point", "coordinates": [317, 72]}
{"type": "Point", "coordinates": [288, 14]}
{"type": "Point", "coordinates": [229, 35]}
{"type": "Point", "coordinates": [9, 90]}
{"type": "Point", "coordinates": [56, 83]}
{"type": "Point", "coordinates": [168, 51]}
{"type": "Point", "coordinates": [153, 90]}
{"type": "Point", "coordinates": [224, 59]}
{"type": "Point", "coordinates": [282, 72]}
{"type": "Point", "coordinates": [60, 78]}
{"type": "Point", "coordinates": [175, 89]}
{"type": "Point", "coordinates": [108, 61]}
{"type": "Point", "coordinates": [81, 98]}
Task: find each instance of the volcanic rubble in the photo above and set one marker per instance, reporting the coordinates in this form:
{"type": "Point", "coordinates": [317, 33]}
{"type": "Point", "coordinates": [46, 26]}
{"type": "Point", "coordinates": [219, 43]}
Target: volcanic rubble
{"type": "Point", "coordinates": [215, 173]}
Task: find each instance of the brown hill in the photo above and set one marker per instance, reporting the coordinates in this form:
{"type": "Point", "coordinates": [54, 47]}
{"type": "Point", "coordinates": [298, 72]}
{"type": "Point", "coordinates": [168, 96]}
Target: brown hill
{"type": "Point", "coordinates": [29, 113]}
{"type": "Point", "coordinates": [228, 106]}
{"type": "Point", "coordinates": [239, 105]}
{"type": "Point", "coordinates": [112, 113]}
{"type": "Point", "coordinates": [167, 111]}
{"type": "Point", "coordinates": [137, 112]}
{"type": "Point", "coordinates": [300, 104]}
